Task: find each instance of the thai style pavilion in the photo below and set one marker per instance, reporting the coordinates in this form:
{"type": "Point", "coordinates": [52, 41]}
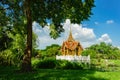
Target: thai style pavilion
{"type": "Point", "coordinates": [71, 47]}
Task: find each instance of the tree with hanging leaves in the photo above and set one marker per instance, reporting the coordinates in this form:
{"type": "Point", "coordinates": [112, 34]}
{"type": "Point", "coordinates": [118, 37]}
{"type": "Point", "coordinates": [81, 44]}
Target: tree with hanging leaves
{"type": "Point", "coordinates": [57, 11]}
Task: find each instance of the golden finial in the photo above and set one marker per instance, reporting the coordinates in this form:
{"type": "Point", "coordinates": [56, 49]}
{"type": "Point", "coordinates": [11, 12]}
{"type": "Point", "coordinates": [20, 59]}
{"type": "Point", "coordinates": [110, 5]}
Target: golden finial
{"type": "Point", "coordinates": [70, 38]}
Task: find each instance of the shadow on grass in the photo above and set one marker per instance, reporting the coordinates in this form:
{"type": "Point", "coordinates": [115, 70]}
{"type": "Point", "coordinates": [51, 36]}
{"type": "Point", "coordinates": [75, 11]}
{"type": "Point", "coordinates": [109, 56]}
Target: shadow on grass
{"type": "Point", "coordinates": [68, 75]}
{"type": "Point", "coordinates": [8, 73]}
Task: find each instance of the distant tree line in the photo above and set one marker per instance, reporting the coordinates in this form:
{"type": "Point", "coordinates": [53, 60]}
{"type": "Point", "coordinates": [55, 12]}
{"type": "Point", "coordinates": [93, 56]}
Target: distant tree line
{"type": "Point", "coordinates": [103, 51]}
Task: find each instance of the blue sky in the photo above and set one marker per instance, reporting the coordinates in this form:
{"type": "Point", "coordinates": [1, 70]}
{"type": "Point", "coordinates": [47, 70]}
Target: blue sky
{"type": "Point", "coordinates": [103, 25]}
{"type": "Point", "coordinates": [106, 19]}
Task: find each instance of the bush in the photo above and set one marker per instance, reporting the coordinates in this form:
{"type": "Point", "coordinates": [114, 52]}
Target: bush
{"type": "Point", "coordinates": [71, 65]}
{"type": "Point", "coordinates": [58, 64]}
{"type": "Point", "coordinates": [68, 65]}
{"type": "Point", "coordinates": [45, 64]}
{"type": "Point", "coordinates": [35, 62]}
{"type": "Point", "coordinates": [6, 58]}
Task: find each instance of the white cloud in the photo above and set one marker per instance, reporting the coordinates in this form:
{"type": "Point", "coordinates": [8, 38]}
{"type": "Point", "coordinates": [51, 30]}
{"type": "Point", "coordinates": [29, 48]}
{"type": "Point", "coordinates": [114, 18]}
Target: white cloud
{"type": "Point", "coordinates": [110, 21]}
{"type": "Point", "coordinates": [36, 27]}
{"type": "Point", "coordinates": [44, 39]}
{"type": "Point", "coordinates": [105, 38]}
{"type": "Point", "coordinates": [118, 47]}
{"type": "Point", "coordinates": [85, 36]}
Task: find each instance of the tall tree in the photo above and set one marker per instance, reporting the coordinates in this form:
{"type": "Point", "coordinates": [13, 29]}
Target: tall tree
{"type": "Point", "coordinates": [27, 11]}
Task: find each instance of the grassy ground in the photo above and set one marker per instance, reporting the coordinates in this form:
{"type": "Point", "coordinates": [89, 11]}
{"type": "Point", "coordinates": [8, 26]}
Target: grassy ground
{"type": "Point", "coordinates": [10, 73]}
{"type": "Point", "coordinates": [103, 65]}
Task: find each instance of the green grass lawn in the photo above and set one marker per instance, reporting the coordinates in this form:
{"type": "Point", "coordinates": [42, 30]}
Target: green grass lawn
{"type": "Point", "coordinates": [10, 73]}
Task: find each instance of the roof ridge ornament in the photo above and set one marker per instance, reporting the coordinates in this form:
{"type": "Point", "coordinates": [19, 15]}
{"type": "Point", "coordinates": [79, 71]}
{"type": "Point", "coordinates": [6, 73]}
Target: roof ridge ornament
{"type": "Point", "coordinates": [70, 37]}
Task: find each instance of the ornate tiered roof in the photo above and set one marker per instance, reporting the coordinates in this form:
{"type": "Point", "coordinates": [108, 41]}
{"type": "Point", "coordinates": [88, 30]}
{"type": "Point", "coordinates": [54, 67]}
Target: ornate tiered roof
{"type": "Point", "coordinates": [71, 44]}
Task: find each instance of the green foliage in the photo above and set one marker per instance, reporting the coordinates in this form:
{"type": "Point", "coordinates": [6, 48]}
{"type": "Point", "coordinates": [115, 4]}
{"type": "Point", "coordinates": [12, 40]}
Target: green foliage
{"type": "Point", "coordinates": [44, 64]}
{"type": "Point", "coordinates": [87, 52]}
{"type": "Point", "coordinates": [53, 32]}
{"type": "Point", "coordinates": [51, 63]}
{"type": "Point", "coordinates": [64, 64]}
{"type": "Point", "coordinates": [47, 64]}
{"type": "Point", "coordinates": [50, 51]}
{"type": "Point", "coordinates": [3, 18]}
{"type": "Point", "coordinates": [71, 65]}
{"type": "Point", "coordinates": [35, 62]}
{"type": "Point", "coordinates": [21, 14]}
{"type": "Point", "coordinates": [102, 51]}
{"type": "Point", "coordinates": [105, 65]}
{"type": "Point", "coordinates": [5, 40]}
{"type": "Point", "coordinates": [101, 56]}
{"type": "Point", "coordinates": [56, 11]}
{"type": "Point", "coordinates": [7, 58]}
{"type": "Point", "coordinates": [16, 48]}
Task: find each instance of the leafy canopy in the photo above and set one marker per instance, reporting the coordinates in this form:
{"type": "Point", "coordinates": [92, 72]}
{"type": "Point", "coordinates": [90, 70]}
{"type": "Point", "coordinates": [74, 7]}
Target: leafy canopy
{"type": "Point", "coordinates": [55, 11]}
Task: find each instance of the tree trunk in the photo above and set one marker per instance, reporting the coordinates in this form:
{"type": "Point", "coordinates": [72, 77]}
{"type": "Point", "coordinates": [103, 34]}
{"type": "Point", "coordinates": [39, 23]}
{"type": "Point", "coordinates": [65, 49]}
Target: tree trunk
{"type": "Point", "coordinates": [26, 64]}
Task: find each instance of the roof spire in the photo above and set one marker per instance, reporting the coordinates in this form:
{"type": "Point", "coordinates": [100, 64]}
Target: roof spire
{"type": "Point", "coordinates": [70, 38]}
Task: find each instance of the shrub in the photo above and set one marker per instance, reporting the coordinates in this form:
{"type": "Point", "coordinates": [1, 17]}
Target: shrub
{"type": "Point", "coordinates": [68, 65]}
{"type": "Point", "coordinates": [60, 64]}
{"type": "Point", "coordinates": [6, 58]}
{"type": "Point", "coordinates": [52, 63]}
{"type": "Point", "coordinates": [35, 62]}
{"type": "Point", "coordinates": [46, 64]}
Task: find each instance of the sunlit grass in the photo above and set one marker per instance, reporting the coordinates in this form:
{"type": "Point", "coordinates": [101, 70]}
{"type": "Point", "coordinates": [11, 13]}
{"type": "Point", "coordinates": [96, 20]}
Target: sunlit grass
{"type": "Point", "coordinates": [10, 73]}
